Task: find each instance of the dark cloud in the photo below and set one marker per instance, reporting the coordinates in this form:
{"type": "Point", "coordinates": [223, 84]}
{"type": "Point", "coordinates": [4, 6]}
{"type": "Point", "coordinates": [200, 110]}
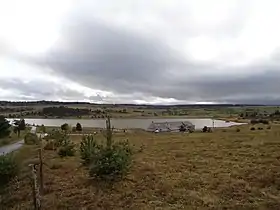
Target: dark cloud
{"type": "Point", "coordinates": [38, 90]}
{"type": "Point", "coordinates": [234, 88]}
{"type": "Point", "coordinates": [132, 66]}
{"type": "Point", "coordinates": [108, 58]}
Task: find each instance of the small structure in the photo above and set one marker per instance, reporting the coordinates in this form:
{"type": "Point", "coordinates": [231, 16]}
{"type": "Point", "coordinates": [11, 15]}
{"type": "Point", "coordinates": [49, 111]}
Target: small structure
{"type": "Point", "coordinates": [171, 126]}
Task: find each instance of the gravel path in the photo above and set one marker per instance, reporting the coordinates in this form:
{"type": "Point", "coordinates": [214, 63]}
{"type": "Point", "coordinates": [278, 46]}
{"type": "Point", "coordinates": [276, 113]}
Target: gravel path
{"type": "Point", "coordinates": [15, 146]}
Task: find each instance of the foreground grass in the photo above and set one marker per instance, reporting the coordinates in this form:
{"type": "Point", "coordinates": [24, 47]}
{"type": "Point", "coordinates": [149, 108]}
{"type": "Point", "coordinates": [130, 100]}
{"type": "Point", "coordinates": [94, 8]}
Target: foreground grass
{"type": "Point", "coordinates": [221, 170]}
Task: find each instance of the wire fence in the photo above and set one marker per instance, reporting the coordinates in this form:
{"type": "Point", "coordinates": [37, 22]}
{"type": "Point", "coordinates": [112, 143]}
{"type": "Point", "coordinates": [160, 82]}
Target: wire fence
{"type": "Point", "coordinates": [32, 180]}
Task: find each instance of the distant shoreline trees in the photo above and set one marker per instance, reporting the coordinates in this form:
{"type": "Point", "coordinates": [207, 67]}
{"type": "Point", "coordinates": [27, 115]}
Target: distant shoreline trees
{"type": "Point", "coordinates": [79, 127]}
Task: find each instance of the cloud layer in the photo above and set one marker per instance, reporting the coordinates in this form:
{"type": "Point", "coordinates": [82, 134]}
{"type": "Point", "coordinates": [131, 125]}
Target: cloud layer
{"type": "Point", "coordinates": [153, 52]}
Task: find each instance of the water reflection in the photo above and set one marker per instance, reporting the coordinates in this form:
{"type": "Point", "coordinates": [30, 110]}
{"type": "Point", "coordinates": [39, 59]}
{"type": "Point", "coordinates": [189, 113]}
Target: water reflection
{"type": "Point", "coordinates": [128, 123]}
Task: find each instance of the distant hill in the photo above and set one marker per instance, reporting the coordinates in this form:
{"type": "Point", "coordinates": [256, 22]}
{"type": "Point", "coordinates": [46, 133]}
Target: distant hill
{"type": "Point", "coordinates": [48, 103]}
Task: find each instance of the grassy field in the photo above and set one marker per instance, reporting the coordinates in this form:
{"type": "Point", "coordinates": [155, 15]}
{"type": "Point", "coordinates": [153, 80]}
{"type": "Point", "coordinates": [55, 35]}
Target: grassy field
{"type": "Point", "coordinates": [225, 169]}
{"type": "Point", "coordinates": [128, 111]}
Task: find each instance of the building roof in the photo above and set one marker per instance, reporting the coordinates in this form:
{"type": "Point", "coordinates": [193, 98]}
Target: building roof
{"type": "Point", "coordinates": [169, 126]}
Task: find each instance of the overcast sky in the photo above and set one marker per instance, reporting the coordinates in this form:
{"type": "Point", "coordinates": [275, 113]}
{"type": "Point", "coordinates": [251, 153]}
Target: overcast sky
{"type": "Point", "coordinates": [140, 51]}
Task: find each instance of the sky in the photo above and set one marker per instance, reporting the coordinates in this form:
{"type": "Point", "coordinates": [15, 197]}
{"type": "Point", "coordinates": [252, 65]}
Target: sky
{"type": "Point", "coordinates": [140, 51]}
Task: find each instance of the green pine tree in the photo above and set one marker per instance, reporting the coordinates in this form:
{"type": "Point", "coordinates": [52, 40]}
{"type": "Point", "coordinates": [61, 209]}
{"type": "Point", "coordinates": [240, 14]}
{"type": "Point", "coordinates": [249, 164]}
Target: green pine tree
{"type": "Point", "coordinates": [4, 127]}
{"type": "Point", "coordinates": [19, 126]}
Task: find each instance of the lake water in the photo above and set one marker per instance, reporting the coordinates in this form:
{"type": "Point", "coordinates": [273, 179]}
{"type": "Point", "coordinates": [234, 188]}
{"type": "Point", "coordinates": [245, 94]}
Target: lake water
{"type": "Point", "coordinates": [127, 123]}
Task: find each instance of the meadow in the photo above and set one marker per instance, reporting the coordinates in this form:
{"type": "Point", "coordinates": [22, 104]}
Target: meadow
{"type": "Point", "coordinates": [94, 111]}
{"type": "Point", "coordinates": [230, 168]}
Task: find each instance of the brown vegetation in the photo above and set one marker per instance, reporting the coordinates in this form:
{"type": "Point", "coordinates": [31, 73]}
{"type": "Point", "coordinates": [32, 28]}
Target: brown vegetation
{"type": "Point", "coordinates": [219, 170]}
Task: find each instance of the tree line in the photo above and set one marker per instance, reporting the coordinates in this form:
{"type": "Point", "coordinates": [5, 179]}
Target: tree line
{"type": "Point", "coordinates": [257, 114]}
{"type": "Point", "coordinates": [6, 127]}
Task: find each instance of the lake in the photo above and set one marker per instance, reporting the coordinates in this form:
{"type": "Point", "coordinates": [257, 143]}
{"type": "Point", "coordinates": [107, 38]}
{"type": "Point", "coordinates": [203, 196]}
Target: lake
{"type": "Point", "coordinates": [128, 123]}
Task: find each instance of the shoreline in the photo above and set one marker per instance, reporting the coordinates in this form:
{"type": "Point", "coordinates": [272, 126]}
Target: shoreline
{"type": "Point", "coordinates": [130, 117]}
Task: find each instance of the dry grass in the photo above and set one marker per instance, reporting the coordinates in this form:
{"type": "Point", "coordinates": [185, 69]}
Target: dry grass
{"type": "Point", "coordinates": [220, 170]}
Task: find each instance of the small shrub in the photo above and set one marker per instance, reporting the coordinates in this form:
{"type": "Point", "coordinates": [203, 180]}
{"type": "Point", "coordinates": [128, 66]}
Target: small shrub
{"type": "Point", "coordinates": [252, 129]}
{"type": "Point", "coordinates": [268, 127]}
{"type": "Point", "coordinates": [58, 137]}
{"type": "Point", "coordinates": [262, 121]}
{"type": "Point", "coordinates": [42, 129]}
{"type": "Point", "coordinates": [107, 161]}
{"type": "Point", "coordinates": [204, 129]}
{"type": "Point", "coordinates": [88, 149]}
{"type": "Point", "coordinates": [237, 129]}
{"type": "Point", "coordinates": [31, 138]}
{"type": "Point", "coordinates": [50, 145]}
{"type": "Point", "coordinates": [54, 134]}
{"type": "Point", "coordinates": [67, 150]}
{"type": "Point", "coordinates": [79, 127]}
{"type": "Point", "coordinates": [259, 128]}
{"type": "Point", "coordinates": [64, 127]}
{"type": "Point", "coordinates": [19, 125]}
{"type": "Point", "coordinates": [4, 127]}
{"type": "Point", "coordinates": [182, 128]}
{"type": "Point", "coordinates": [8, 169]}
{"type": "Point", "coordinates": [66, 147]}
{"type": "Point", "coordinates": [111, 162]}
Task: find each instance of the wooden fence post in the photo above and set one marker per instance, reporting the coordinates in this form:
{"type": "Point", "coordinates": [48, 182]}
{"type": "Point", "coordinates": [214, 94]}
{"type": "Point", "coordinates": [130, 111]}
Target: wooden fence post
{"type": "Point", "coordinates": [41, 171]}
{"type": "Point", "coordinates": [35, 188]}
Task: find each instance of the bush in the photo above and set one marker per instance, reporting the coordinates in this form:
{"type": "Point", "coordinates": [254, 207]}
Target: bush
{"type": "Point", "coordinates": [252, 129]}
{"type": "Point", "coordinates": [67, 150]}
{"type": "Point", "coordinates": [66, 147]}
{"type": "Point", "coordinates": [50, 145]}
{"type": "Point", "coordinates": [88, 149]}
{"type": "Point", "coordinates": [19, 125]}
{"type": "Point", "coordinates": [31, 138]}
{"type": "Point", "coordinates": [204, 129]}
{"type": "Point", "coordinates": [111, 162]}
{"type": "Point", "coordinates": [268, 127]}
{"type": "Point", "coordinates": [64, 127]}
{"type": "Point", "coordinates": [237, 129]}
{"type": "Point", "coordinates": [42, 129]}
{"type": "Point", "coordinates": [53, 134]}
{"type": "Point", "coordinates": [8, 169]}
{"type": "Point", "coordinates": [79, 127]}
{"type": "Point", "coordinates": [4, 127]}
{"type": "Point", "coordinates": [58, 137]}
{"type": "Point", "coordinates": [259, 128]}
{"type": "Point", "coordinates": [107, 161]}
{"type": "Point", "coordinates": [262, 121]}
{"type": "Point", "coordinates": [182, 128]}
